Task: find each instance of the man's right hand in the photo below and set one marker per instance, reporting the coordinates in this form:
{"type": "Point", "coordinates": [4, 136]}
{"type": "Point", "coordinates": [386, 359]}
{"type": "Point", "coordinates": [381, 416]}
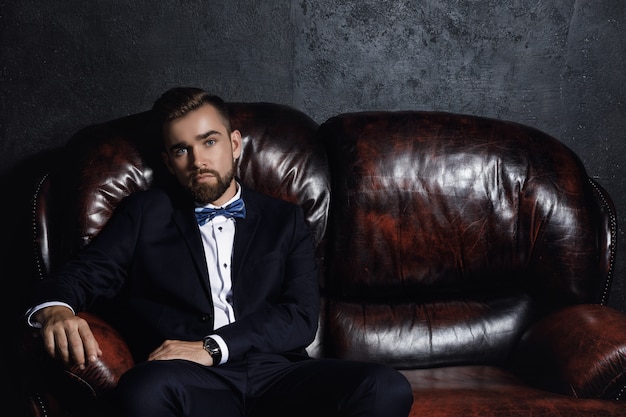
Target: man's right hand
{"type": "Point", "coordinates": [67, 337]}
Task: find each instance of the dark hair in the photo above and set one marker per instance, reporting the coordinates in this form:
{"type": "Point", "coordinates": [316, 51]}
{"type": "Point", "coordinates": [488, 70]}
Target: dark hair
{"type": "Point", "coordinates": [179, 101]}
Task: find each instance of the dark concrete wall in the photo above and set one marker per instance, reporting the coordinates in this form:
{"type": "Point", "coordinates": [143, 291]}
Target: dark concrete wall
{"type": "Point", "coordinates": [555, 65]}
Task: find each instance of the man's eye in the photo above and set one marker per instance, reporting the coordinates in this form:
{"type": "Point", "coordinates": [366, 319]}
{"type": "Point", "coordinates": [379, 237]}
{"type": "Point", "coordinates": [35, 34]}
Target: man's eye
{"type": "Point", "coordinates": [180, 151]}
{"type": "Point", "coordinates": [210, 142]}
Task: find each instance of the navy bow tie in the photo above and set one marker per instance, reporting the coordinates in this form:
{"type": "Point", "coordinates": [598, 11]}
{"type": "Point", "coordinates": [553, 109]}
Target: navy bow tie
{"type": "Point", "coordinates": [235, 209]}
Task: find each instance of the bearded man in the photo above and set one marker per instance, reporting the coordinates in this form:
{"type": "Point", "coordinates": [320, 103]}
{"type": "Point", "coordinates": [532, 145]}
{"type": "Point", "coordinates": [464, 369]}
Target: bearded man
{"type": "Point", "coordinates": [218, 288]}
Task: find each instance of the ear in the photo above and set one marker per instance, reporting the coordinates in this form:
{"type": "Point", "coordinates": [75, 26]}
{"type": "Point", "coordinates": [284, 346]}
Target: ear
{"type": "Point", "coordinates": [235, 142]}
{"type": "Point", "coordinates": [166, 161]}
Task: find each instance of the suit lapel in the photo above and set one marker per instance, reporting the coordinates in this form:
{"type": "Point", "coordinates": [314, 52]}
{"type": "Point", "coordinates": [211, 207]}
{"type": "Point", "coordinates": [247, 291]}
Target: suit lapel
{"type": "Point", "coordinates": [245, 230]}
{"type": "Point", "coordinates": [186, 222]}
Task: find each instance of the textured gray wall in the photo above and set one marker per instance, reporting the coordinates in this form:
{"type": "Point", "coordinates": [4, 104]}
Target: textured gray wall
{"type": "Point", "coordinates": [555, 65]}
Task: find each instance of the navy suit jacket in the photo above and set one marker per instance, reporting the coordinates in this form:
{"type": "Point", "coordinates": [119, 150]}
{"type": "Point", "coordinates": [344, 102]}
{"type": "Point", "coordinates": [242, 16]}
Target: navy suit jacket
{"type": "Point", "coordinates": [149, 258]}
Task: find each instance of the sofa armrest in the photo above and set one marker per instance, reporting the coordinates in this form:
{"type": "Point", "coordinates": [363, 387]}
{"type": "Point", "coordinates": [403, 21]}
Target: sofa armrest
{"type": "Point", "coordinates": [579, 351]}
{"type": "Point", "coordinates": [103, 375]}
{"type": "Point", "coordinates": [97, 378]}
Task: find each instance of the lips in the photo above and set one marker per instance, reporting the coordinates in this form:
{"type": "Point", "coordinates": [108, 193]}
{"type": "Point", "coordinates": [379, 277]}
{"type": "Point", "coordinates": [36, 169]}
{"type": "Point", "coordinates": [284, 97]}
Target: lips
{"type": "Point", "coordinates": [198, 179]}
{"type": "Point", "coordinates": [200, 176]}
{"type": "Point", "coordinates": [201, 173]}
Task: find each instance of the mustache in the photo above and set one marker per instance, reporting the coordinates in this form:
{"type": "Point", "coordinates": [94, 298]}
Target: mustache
{"type": "Point", "coordinates": [201, 171]}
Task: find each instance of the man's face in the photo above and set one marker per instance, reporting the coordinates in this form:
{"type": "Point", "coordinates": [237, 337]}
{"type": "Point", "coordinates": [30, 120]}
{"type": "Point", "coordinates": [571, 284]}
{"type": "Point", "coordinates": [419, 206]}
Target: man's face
{"type": "Point", "coordinates": [201, 154]}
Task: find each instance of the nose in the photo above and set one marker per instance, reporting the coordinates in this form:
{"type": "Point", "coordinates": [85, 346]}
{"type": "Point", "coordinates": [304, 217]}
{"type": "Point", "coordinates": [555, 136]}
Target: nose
{"type": "Point", "coordinates": [196, 159]}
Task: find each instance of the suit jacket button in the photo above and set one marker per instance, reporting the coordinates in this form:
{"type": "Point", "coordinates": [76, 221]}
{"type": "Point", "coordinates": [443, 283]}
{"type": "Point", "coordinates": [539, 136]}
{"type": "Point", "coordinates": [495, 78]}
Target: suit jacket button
{"type": "Point", "coordinates": [205, 318]}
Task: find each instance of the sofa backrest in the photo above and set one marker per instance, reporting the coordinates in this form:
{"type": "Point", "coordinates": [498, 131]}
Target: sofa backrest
{"type": "Point", "coordinates": [103, 163]}
{"type": "Point", "coordinates": [448, 234]}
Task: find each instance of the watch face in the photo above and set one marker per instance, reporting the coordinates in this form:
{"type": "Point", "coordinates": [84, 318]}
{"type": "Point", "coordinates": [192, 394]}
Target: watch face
{"type": "Point", "coordinates": [213, 349]}
{"type": "Point", "coordinates": [210, 344]}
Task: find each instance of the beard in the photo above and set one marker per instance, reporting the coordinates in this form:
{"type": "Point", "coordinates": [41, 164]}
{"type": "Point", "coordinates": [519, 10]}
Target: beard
{"type": "Point", "coordinates": [207, 193]}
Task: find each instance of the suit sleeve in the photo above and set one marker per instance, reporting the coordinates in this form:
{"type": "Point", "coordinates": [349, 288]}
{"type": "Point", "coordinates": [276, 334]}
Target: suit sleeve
{"type": "Point", "coordinates": [99, 269]}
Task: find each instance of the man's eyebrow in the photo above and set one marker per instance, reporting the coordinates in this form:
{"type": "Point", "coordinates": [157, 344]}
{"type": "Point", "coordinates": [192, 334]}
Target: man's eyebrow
{"type": "Point", "coordinates": [182, 144]}
{"type": "Point", "coordinates": [207, 134]}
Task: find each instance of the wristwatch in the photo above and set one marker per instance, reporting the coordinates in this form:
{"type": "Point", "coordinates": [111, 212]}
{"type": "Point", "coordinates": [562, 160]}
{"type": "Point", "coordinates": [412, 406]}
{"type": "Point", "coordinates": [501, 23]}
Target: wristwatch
{"type": "Point", "coordinates": [211, 346]}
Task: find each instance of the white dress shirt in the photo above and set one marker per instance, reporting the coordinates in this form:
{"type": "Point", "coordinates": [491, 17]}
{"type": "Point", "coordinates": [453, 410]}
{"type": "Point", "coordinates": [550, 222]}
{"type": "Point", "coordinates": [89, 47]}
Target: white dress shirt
{"type": "Point", "coordinates": [218, 236]}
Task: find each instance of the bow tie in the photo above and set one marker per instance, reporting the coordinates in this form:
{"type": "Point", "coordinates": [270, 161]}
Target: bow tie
{"type": "Point", "coordinates": [235, 209]}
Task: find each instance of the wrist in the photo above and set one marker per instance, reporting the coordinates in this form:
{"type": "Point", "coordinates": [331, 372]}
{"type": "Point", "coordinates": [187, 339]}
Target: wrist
{"type": "Point", "coordinates": [213, 349]}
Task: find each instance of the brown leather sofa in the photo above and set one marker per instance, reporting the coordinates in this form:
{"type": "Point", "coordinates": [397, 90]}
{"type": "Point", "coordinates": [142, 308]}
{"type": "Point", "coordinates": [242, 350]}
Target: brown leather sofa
{"type": "Point", "coordinates": [475, 255]}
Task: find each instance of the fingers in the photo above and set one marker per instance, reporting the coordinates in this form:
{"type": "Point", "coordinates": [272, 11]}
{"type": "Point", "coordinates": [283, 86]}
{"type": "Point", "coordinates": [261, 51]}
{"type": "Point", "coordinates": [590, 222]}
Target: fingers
{"type": "Point", "coordinates": [90, 344]}
{"type": "Point", "coordinates": [70, 339]}
{"type": "Point", "coordinates": [177, 349]}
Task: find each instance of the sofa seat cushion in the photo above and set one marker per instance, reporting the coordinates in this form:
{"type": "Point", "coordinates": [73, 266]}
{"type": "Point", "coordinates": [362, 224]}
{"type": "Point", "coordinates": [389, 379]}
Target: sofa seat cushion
{"type": "Point", "coordinates": [484, 391]}
{"type": "Point", "coordinates": [478, 329]}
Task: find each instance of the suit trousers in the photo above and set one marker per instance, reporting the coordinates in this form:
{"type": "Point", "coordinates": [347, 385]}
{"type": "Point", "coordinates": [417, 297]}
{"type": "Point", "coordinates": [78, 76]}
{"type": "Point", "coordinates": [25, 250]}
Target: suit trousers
{"type": "Point", "coordinates": [261, 388]}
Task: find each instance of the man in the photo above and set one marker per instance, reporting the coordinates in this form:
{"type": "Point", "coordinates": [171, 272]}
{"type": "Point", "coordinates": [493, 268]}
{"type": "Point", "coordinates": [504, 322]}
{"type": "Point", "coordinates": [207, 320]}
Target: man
{"type": "Point", "coordinates": [218, 307]}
